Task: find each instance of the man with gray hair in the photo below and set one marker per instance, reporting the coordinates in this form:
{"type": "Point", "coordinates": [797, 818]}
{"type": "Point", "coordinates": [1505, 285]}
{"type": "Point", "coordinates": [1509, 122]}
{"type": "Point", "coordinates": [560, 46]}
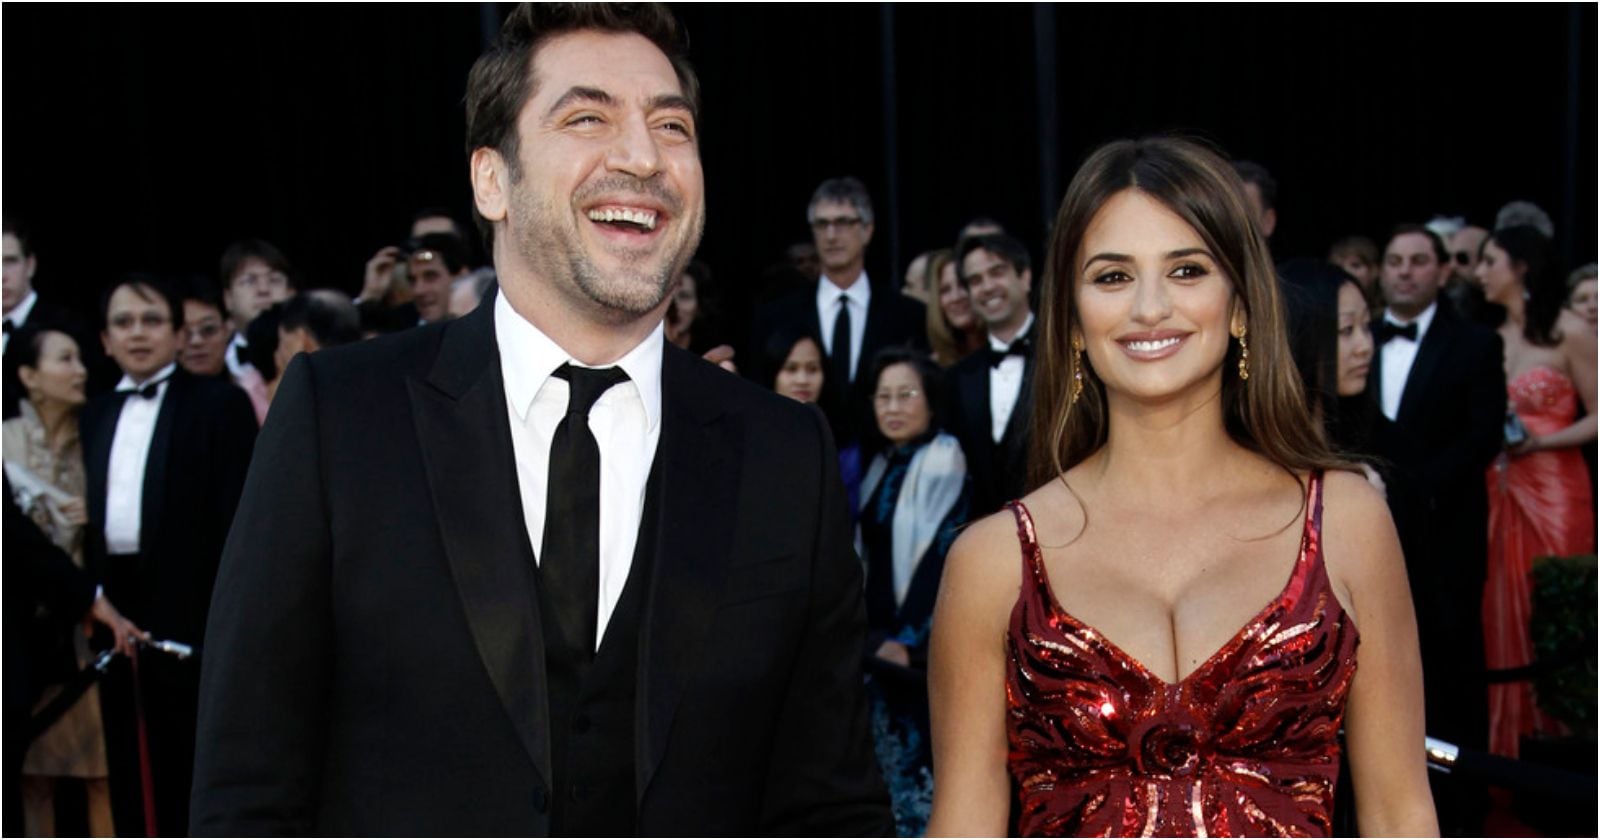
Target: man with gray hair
{"type": "Point", "coordinates": [853, 319]}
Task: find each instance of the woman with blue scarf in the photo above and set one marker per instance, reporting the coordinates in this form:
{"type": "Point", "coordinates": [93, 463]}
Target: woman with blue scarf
{"type": "Point", "coordinates": [914, 497]}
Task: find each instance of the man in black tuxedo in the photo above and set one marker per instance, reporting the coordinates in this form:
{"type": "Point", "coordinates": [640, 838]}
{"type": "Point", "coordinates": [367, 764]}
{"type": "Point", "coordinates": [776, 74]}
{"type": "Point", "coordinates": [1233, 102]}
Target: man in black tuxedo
{"type": "Point", "coordinates": [1441, 380]}
{"type": "Point", "coordinates": [854, 318]}
{"type": "Point", "coordinates": [165, 457]}
{"type": "Point", "coordinates": [535, 571]}
{"type": "Point", "coordinates": [991, 391]}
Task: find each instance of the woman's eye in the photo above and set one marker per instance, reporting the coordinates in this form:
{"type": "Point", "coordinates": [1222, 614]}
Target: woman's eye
{"type": "Point", "coordinates": [1111, 277]}
{"type": "Point", "coordinates": [1346, 332]}
{"type": "Point", "coordinates": [1190, 271]}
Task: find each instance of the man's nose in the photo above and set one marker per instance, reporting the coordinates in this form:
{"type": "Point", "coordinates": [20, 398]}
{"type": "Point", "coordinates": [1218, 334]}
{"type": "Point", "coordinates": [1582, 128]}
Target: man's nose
{"type": "Point", "coordinates": [635, 150]}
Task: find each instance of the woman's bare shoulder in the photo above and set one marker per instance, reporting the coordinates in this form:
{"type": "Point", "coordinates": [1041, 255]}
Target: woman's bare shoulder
{"type": "Point", "coordinates": [983, 571]}
{"type": "Point", "coordinates": [1360, 547]}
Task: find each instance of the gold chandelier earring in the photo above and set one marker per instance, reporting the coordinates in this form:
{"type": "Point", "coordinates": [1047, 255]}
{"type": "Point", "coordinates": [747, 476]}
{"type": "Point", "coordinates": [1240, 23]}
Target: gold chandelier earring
{"type": "Point", "coordinates": [1244, 355]}
{"type": "Point", "coordinates": [1077, 372]}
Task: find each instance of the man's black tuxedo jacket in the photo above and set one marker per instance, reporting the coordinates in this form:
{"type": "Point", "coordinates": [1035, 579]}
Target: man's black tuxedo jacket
{"type": "Point", "coordinates": [1447, 432]}
{"type": "Point", "coordinates": [999, 471]}
{"type": "Point", "coordinates": [193, 476]}
{"type": "Point", "coordinates": [893, 320]}
{"type": "Point", "coordinates": [385, 670]}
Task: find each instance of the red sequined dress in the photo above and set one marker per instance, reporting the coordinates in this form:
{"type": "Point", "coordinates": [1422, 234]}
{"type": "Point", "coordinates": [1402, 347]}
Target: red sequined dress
{"type": "Point", "coordinates": [1539, 504]}
{"type": "Point", "coordinates": [1246, 744]}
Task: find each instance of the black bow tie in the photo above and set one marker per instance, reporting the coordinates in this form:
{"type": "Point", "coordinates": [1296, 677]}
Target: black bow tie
{"type": "Point", "coordinates": [148, 390]}
{"type": "Point", "coordinates": [1023, 347]}
{"type": "Point", "coordinates": [1388, 329]}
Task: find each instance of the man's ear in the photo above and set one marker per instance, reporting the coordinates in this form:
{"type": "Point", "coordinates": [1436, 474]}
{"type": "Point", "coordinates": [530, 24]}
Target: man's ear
{"type": "Point", "coordinates": [1027, 279]}
{"type": "Point", "coordinates": [866, 234]}
{"type": "Point", "coordinates": [490, 180]}
{"type": "Point", "coordinates": [1269, 221]}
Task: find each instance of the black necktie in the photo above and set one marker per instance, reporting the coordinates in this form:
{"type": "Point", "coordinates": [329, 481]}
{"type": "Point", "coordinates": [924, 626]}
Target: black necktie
{"type": "Point", "coordinates": [1388, 329]}
{"type": "Point", "coordinates": [569, 571]}
{"type": "Point", "coordinates": [840, 358]}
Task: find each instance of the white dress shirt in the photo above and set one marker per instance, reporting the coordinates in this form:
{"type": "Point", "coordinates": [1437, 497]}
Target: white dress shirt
{"type": "Point", "coordinates": [857, 296]}
{"type": "Point", "coordinates": [130, 455]}
{"type": "Point", "coordinates": [1397, 354]}
{"type": "Point", "coordinates": [1005, 382]}
{"type": "Point", "coordinates": [233, 358]}
{"type": "Point", "coordinates": [18, 316]}
{"type": "Point", "coordinates": [625, 422]}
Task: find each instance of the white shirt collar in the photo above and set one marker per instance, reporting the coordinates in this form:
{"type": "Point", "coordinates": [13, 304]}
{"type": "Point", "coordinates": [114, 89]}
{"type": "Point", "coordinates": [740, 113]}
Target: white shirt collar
{"type": "Point", "coordinates": [859, 292]}
{"type": "Point", "coordinates": [128, 383]}
{"type": "Point", "coordinates": [19, 313]}
{"type": "Point", "coordinates": [997, 344]}
{"type": "Point", "coordinates": [528, 358]}
{"type": "Point", "coordinates": [1423, 320]}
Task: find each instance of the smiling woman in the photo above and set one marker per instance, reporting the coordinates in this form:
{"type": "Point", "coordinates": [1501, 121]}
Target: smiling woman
{"type": "Point", "coordinates": [1181, 486]}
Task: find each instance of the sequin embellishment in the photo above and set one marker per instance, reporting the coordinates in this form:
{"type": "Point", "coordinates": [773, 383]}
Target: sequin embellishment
{"type": "Point", "coordinates": [1245, 745]}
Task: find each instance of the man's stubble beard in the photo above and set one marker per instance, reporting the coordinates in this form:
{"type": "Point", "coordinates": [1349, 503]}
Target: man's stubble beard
{"type": "Point", "coordinates": [636, 289]}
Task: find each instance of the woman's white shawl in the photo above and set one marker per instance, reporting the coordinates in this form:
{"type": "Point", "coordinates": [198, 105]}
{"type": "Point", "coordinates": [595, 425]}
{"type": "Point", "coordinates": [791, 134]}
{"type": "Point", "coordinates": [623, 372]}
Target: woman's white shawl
{"type": "Point", "coordinates": [932, 487]}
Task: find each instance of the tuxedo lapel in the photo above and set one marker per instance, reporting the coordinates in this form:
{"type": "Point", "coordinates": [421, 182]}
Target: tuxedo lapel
{"type": "Point", "coordinates": [158, 460]}
{"type": "Point", "coordinates": [872, 338]}
{"type": "Point", "coordinates": [1432, 352]}
{"type": "Point", "coordinates": [98, 431]}
{"type": "Point", "coordinates": [975, 399]}
{"type": "Point", "coordinates": [465, 438]}
{"type": "Point", "coordinates": [699, 454]}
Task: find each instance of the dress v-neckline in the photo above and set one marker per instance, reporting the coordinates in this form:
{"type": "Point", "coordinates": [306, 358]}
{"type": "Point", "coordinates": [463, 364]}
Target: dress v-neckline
{"type": "Point", "coordinates": [1313, 500]}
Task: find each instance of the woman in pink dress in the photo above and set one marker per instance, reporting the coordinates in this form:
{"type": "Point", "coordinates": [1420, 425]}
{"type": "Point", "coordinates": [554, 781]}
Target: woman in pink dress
{"type": "Point", "coordinates": [1161, 639]}
{"type": "Point", "coordinates": [1540, 500]}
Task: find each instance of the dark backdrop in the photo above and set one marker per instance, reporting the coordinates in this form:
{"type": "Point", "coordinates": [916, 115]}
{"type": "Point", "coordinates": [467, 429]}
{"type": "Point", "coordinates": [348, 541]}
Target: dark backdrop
{"type": "Point", "coordinates": [150, 136]}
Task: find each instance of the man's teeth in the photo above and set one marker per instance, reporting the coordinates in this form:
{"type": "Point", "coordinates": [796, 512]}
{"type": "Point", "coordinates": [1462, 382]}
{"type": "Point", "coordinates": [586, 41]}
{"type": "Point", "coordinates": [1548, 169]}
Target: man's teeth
{"type": "Point", "coordinates": [643, 218]}
{"type": "Point", "coordinates": [1152, 346]}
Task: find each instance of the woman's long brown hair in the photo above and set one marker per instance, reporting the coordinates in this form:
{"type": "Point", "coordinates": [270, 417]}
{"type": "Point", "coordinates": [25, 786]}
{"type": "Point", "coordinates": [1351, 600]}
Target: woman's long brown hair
{"type": "Point", "coordinates": [1266, 413]}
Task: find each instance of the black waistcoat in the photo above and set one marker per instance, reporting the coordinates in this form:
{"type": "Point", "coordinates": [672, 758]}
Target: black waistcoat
{"type": "Point", "coordinates": [592, 705]}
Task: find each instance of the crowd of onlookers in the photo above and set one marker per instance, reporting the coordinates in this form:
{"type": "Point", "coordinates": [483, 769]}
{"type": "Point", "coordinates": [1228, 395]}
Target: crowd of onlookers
{"type": "Point", "coordinates": [1454, 361]}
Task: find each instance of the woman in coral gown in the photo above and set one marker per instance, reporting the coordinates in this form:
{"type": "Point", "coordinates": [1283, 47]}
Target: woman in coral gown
{"type": "Point", "coordinates": [1540, 499]}
{"type": "Point", "coordinates": [1161, 639]}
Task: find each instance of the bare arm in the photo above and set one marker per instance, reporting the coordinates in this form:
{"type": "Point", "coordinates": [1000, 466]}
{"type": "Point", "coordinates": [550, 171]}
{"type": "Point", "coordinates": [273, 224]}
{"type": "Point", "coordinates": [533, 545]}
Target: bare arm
{"type": "Point", "coordinates": [1384, 727]}
{"type": "Point", "coordinates": [966, 682]}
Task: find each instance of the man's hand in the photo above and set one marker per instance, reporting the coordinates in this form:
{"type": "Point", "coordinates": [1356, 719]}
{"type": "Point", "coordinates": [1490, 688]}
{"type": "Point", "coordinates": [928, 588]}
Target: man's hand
{"type": "Point", "coordinates": [721, 356]}
{"type": "Point", "coordinates": [893, 651]}
{"type": "Point", "coordinates": [75, 510]}
{"type": "Point", "coordinates": [380, 273]}
{"type": "Point", "coordinates": [127, 634]}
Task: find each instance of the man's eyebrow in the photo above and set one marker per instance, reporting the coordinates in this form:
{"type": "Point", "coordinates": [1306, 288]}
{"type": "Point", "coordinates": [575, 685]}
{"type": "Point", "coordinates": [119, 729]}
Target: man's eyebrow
{"type": "Point", "coordinates": [669, 101]}
{"type": "Point", "coordinates": [579, 93]}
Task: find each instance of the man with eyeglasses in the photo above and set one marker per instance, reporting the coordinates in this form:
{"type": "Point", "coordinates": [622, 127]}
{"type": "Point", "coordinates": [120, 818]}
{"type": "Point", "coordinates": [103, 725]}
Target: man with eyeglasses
{"type": "Point", "coordinates": [165, 456]}
{"type": "Point", "coordinates": [853, 319]}
{"type": "Point", "coordinates": [255, 275]}
{"type": "Point", "coordinates": [207, 337]}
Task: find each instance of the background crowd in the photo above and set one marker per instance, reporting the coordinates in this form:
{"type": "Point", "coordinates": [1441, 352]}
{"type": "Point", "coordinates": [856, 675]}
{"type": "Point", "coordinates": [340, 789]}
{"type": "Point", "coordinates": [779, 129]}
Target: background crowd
{"type": "Point", "coordinates": [1454, 359]}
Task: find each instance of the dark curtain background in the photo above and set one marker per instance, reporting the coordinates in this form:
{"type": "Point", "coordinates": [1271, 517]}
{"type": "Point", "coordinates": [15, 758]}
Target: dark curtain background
{"type": "Point", "coordinates": [150, 136]}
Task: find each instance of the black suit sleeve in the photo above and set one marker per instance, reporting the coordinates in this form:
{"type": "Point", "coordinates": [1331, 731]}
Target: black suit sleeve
{"type": "Point", "coordinates": [824, 779]}
{"type": "Point", "coordinates": [1478, 435]}
{"type": "Point", "coordinates": [263, 685]}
